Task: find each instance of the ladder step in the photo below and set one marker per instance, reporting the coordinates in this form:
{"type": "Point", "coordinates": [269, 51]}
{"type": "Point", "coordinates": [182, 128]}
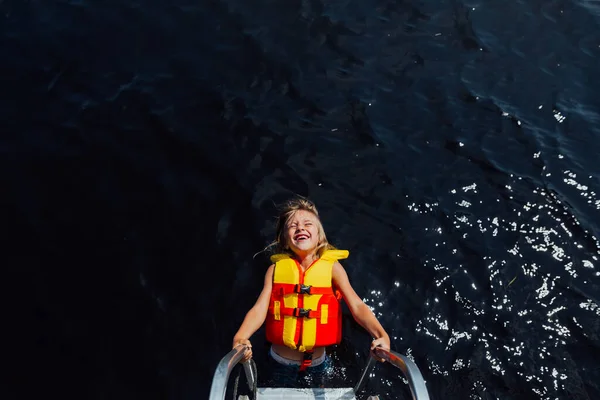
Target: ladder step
{"type": "Point", "coordinates": [305, 394]}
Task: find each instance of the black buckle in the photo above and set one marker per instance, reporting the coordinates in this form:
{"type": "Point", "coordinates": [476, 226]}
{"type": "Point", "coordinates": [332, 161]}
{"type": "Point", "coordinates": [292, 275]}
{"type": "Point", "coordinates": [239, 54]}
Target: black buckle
{"type": "Point", "coordinates": [303, 289]}
{"type": "Point", "coordinates": [302, 312]}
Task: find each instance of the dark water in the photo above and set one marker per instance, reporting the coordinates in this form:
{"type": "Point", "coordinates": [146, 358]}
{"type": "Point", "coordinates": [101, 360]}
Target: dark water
{"type": "Point", "coordinates": [451, 146]}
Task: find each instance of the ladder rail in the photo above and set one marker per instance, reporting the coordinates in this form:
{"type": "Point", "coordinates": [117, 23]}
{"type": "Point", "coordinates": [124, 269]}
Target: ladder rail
{"type": "Point", "coordinates": [409, 369]}
{"type": "Point", "coordinates": [218, 387]}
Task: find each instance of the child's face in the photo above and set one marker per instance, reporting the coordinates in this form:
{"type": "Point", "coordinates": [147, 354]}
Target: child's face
{"type": "Point", "coordinates": [302, 232]}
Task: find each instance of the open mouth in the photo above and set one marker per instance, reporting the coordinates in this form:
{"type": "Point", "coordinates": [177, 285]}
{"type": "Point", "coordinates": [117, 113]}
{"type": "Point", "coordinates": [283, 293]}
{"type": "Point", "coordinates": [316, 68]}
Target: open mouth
{"type": "Point", "coordinates": [301, 237]}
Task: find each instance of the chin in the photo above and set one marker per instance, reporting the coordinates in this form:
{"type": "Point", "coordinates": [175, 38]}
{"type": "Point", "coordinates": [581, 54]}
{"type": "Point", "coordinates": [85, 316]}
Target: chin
{"type": "Point", "coordinates": [306, 246]}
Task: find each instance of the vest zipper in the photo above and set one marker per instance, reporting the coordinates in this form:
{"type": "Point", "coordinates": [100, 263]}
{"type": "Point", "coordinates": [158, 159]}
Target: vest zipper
{"type": "Point", "coordinates": [300, 302]}
{"type": "Point", "coordinates": [301, 297]}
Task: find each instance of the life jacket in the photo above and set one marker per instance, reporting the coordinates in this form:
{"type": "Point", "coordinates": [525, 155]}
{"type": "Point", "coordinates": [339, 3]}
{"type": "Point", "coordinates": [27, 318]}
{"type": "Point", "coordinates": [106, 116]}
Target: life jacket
{"type": "Point", "coordinates": [304, 309]}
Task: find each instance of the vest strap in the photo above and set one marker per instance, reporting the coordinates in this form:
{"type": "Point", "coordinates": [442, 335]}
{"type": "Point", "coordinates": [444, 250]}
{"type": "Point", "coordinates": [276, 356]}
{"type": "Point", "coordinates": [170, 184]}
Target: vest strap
{"type": "Point", "coordinates": [297, 312]}
{"type": "Point", "coordinates": [307, 360]}
{"type": "Point", "coordinates": [290, 288]}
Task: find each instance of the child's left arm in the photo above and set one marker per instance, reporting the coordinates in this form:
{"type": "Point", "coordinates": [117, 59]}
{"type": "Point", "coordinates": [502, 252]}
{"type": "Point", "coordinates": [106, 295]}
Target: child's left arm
{"type": "Point", "coordinates": [360, 311]}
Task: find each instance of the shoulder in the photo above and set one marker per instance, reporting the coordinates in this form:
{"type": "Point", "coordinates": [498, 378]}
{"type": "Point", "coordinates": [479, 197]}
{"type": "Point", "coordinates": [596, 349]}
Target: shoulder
{"type": "Point", "coordinates": [270, 270]}
{"type": "Point", "coordinates": [342, 282]}
{"type": "Point", "coordinates": [268, 280]}
{"type": "Point", "coordinates": [338, 272]}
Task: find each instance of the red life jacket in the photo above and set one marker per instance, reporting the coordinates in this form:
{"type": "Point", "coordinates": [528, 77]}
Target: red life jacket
{"type": "Point", "coordinates": [304, 310]}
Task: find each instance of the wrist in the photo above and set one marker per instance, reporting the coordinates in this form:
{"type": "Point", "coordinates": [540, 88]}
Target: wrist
{"type": "Point", "coordinates": [383, 336]}
{"type": "Point", "coordinates": [237, 339]}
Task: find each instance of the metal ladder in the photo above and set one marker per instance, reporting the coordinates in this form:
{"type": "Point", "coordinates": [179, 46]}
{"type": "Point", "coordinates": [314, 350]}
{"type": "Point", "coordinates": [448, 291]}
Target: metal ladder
{"type": "Point", "coordinates": [230, 360]}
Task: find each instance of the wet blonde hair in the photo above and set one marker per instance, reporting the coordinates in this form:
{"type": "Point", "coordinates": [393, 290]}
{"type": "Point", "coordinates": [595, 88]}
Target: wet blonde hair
{"type": "Point", "coordinates": [286, 211]}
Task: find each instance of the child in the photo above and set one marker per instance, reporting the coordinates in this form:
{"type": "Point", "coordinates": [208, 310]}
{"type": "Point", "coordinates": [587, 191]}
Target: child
{"type": "Point", "coordinates": [300, 300]}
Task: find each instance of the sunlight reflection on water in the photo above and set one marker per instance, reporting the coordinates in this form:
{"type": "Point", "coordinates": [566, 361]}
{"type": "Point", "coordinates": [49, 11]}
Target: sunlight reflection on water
{"type": "Point", "coordinates": [526, 324]}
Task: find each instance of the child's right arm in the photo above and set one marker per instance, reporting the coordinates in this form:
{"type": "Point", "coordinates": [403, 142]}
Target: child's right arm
{"type": "Point", "coordinates": [256, 316]}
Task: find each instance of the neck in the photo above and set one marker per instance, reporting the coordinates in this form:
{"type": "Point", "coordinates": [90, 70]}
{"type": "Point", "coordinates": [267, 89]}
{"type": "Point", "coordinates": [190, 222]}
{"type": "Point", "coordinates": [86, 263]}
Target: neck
{"type": "Point", "coordinates": [305, 259]}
